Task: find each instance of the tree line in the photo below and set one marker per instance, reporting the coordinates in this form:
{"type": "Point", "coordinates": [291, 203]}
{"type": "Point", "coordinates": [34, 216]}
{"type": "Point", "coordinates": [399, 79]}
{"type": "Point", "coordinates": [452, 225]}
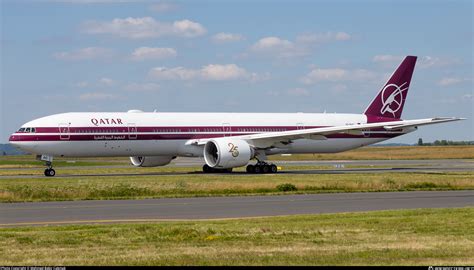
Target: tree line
{"type": "Point", "coordinates": [444, 142]}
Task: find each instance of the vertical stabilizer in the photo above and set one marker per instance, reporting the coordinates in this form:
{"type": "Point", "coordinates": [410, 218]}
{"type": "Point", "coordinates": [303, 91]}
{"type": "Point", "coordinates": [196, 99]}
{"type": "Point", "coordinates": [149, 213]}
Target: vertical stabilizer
{"type": "Point", "coordinates": [390, 100]}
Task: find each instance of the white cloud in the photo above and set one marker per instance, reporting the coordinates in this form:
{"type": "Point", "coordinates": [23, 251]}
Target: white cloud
{"type": "Point", "coordinates": [387, 58]}
{"type": "Point", "coordinates": [227, 37]}
{"type": "Point", "coordinates": [223, 72]}
{"type": "Point", "coordinates": [212, 72]}
{"type": "Point", "coordinates": [277, 47]}
{"type": "Point", "coordinates": [106, 82]}
{"type": "Point", "coordinates": [299, 92]}
{"type": "Point", "coordinates": [147, 53]}
{"type": "Point", "coordinates": [163, 7]}
{"type": "Point", "coordinates": [283, 49]}
{"type": "Point", "coordinates": [323, 37]}
{"type": "Point", "coordinates": [187, 28]}
{"type": "Point", "coordinates": [338, 75]}
{"type": "Point", "coordinates": [96, 96]}
{"type": "Point", "coordinates": [89, 53]}
{"type": "Point", "coordinates": [145, 27]}
{"type": "Point", "coordinates": [423, 61]}
{"type": "Point", "coordinates": [450, 81]}
{"type": "Point", "coordinates": [142, 87]}
{"type": "Point", "coordinates": [177, 73]}
{"type": "Point", "coordinates": [272, 43]}
{"type": "Point", "coordinates": [435, 62]}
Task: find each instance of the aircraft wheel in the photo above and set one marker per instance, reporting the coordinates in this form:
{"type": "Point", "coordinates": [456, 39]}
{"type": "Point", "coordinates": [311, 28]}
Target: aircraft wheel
{"type": "Point", "coordinates": [273, 168]}
{"type": "Point", "coordinates": [206, 168]}
{"type": "Point", "coordinates": [265, 169]}
{"type": "Point", "coordinates": [49, 172]}
{"type": "Point", "coordinates": [250, 169]}
{"type": "Point", "coordinates": [257, 169]}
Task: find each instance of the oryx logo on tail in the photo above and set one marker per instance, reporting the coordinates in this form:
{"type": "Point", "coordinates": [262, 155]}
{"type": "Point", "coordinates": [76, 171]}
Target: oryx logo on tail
{"type": "Point", "coordinates": [392, 98]}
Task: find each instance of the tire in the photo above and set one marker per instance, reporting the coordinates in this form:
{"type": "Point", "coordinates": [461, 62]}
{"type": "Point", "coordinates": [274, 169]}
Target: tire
{"type": "Point", "coordinates": [46, 172]}
{"type": "Point", "coordinates": [52, 173]}
{"type": "Point", "coordinates": [250, 169]}
{"type": "Point", "coordinates": [257, 169]}
{"type": "Point", "coordinates": [273, 168]}
{"type": "Point", "coordinates": [206, 168]}
{"type": "Point", "coordinates": [266, 169]}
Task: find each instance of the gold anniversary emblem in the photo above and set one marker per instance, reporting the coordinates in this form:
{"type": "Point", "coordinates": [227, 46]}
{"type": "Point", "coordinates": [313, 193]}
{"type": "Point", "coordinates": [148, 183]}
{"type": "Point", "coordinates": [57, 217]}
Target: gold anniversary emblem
{"type": "Point", "coordinates": [233, 149]}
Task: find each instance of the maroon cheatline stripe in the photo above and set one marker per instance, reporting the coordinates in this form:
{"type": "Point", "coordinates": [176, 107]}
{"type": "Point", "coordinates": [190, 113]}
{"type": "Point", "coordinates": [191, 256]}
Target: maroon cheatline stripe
{"type": "Point", "coordinates": [183, 136]}
{"type": "Point", "coordinates": [123, 129]}
{"type": "Point", "coordinates": [150, 129]}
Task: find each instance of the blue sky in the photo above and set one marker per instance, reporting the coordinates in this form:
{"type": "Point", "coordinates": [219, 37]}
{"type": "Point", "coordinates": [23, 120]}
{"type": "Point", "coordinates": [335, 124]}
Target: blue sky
{"type": "Point", "coordinates": [238, 56]}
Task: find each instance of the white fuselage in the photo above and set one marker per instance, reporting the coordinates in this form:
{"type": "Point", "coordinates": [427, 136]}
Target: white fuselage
{"type": "Point", "coordinates": [167, 134]}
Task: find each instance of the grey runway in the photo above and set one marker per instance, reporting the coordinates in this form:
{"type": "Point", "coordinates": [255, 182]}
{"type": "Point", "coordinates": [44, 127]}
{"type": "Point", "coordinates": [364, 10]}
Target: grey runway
{"type": "Point", "coordinates": [339, 167]}
{"type": "Point", "coordinates": [78, 212]}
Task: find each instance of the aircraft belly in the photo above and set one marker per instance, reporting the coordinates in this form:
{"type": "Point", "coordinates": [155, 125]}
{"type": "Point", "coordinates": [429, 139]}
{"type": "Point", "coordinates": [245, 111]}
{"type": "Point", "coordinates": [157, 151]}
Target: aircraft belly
{"type": "Point", "coordinates": [105, 148]}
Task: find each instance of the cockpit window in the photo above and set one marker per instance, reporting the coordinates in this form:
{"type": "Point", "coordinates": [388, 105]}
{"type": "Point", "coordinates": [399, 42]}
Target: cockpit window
{"type": "Point", "coordinates": [27, 130]}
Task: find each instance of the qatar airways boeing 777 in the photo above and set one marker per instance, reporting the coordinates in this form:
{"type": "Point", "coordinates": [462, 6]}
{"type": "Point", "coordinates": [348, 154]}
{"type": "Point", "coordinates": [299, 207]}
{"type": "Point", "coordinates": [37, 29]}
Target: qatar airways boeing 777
{"type": "Point", "coordinates": [225, 140]}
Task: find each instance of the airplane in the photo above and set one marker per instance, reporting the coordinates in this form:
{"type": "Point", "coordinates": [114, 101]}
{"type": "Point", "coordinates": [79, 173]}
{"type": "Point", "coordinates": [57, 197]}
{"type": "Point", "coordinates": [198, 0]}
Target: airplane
{"type": "Point", "coordinates": [225, 140]}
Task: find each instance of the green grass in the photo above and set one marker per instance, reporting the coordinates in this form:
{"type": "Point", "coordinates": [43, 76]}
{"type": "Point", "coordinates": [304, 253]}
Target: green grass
{"type": "Point", "coordinates": [172, 184]}
{"type": "Point", "coordinates": [401, 237]}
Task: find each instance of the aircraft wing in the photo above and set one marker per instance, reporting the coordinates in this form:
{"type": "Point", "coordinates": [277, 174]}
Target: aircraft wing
{"type": "Point", "coordinates": [268, 139]}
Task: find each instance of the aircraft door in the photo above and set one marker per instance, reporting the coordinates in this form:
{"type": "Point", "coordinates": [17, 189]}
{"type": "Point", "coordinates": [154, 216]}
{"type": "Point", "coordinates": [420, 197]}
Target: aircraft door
{"type": "Point", "coordinates": [132, 131]}
{"type": "Point", "coordinates": [64, 132]}
{"type": "Point", "coordinates": [226, 129]}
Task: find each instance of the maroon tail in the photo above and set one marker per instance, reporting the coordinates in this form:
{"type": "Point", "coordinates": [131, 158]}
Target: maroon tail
{"type": "Point", "coordinates": [390, 100]}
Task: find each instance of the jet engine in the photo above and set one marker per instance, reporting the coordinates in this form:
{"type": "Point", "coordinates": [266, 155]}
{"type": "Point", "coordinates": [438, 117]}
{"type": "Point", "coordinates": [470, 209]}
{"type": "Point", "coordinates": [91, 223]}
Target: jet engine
{"type": "Point", "coordinates": [151, 161]}
{"type": "Point", "coordinates": [223, 153]}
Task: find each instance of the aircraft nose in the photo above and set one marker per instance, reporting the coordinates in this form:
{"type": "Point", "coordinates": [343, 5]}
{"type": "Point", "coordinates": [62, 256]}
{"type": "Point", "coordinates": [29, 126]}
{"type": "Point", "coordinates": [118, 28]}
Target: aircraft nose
{"type": "Point", "coordinates": [13, 140]}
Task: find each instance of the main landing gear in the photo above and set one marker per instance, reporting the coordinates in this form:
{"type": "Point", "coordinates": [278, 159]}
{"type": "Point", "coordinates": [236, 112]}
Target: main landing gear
{"type": "Point", "coordinates": [207, 169]}
{"type": "Point", "coordinates": [259, 167]}
{"type": "Point", "coordinates": [262, 167]}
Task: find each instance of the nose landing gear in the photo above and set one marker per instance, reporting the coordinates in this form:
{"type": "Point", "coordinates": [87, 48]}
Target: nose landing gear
{"type": "Point", "coordinates": [49, 171]}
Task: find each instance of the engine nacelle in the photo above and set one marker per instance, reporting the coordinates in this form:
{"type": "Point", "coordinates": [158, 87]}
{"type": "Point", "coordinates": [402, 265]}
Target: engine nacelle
{"type": "Point", "coordinates": [226, 153]}
{"type": "Point", "coordinates": [151, 161]}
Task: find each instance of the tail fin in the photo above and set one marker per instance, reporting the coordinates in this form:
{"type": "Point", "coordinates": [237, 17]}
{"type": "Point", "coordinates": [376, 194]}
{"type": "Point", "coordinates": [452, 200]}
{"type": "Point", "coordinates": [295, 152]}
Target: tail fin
{"type": "Point", "coordinates": [390, 100]}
